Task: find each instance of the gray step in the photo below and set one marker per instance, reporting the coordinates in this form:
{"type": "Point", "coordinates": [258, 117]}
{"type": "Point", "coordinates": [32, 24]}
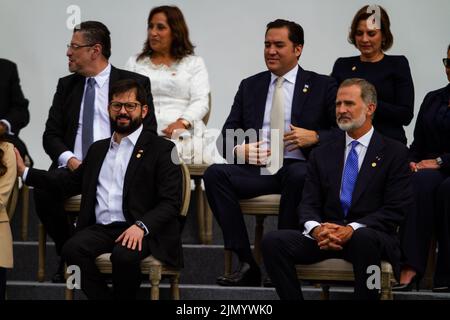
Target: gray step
{"type": "Point", "coordinates": [26, 290]}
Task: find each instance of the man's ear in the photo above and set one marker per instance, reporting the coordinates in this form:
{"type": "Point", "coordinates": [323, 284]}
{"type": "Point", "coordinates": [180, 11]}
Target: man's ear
{"type": "Point", "coordinates": [144, 111]}
{"type": "Point", "coordinates": [298, 50]}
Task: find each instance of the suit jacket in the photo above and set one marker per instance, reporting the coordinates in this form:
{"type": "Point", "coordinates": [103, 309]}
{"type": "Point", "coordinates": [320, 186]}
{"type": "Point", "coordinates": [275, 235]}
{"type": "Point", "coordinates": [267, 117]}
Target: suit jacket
{"type": "Point", "coordinates": [313, 110]}
{"type": "Point", "coordinates": [13, 105]}
{"type": "Point", "coordinates": [382, 195]}
{"type": "Point", "coordinates": [151, 192]}
{"type": "Point", "coordinates": [7, 182]}
{"type": "Point", "coordinates": [62, 123]}
{"type": "Point", "coordinates": [429, 142]}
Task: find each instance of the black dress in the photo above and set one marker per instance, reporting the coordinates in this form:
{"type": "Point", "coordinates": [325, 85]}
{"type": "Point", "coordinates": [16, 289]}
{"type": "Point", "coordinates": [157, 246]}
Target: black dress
{"type": "Point", "coordinates": [392, 79]}
{"type": "Point", "coordinates": [431, 187]}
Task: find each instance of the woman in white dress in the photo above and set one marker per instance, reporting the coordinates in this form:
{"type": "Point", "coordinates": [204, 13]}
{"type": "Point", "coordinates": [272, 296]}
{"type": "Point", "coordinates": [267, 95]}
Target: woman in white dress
{"type": "Point", "coordinates": [179, 79]}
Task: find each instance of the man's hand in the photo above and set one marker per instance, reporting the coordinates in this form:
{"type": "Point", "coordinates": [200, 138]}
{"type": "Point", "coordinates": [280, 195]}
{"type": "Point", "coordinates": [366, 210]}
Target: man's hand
{"type": "Point", "coordinates": [19, 162]}
{"type": "Point", "coordinates": [177, 125]}
{"type": "Point", "coordinates": [132, 237]}
{"type": "Point", "coordinates": [342, 235]}
{"type": "Point", "coordinates": [413, 166]}
{"type": "Point", "coordinates": [331, 236]}
{"type": "Point", "coordinates": [253, 153]}
{"type": "Point", "coordinates": [300, 138]}
{"type": "Point", "coordinates": [73, 164]}
{"type": "Point", "coordinates": [427, 164]}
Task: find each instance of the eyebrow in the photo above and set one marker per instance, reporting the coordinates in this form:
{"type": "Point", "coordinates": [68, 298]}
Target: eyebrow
{"type": "Point", "coordinates": [274, 42]}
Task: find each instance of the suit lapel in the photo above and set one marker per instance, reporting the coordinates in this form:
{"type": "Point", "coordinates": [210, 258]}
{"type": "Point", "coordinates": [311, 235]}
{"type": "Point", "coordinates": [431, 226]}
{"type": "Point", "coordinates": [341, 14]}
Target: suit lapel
{"type": "Point", "coordinates": [260, 99]}
{"type": "Point", "coordinates": [369, 167]}
{"type": "Point", "coordinates": [140, 149]}
{"type": "Point", "coordinates": [300, 97]}
{"type": "Point", "coordinates": [336, 166]}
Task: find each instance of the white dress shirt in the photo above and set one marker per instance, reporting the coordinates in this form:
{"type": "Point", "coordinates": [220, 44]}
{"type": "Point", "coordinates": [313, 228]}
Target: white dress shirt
{"type": "Point", "coordinates": [179, 91]}
{"type": "Point", "coordinates": [288, 90]}
{"type": "Point", "coordinates": [102, 126]}
{"type": "Point", "coordinates": [108, 207]}
{"type": "Point", "coordinates": [361, 150]}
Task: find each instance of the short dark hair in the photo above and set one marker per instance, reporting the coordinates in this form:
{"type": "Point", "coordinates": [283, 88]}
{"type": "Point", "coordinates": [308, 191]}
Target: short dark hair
{"type": "Point", "coordinates": [362, 14]}
{"type": "Point", "coordinates": [96, 32]}
{"type": "Point", "coordinates": [296, 34]}
{"type": "Point", "coordinates": [181, 44]}
{"type": "Point", "coordinates": [125, 85]}
{"type": "Point", "coordinates": [368, 91]}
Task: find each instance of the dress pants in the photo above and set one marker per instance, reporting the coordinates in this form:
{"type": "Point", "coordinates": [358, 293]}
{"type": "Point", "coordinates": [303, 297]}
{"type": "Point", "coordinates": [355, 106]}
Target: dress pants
{"type": "Point", "coordinates": [2, 283]}
{"type": "Point", "coordinates": [226, 184]}
{"type": "Point", "coordinates": [430, 214]}
{"type": "Point", "coordinates": [88, 243]}
{"type": "Point", "coordinates": [283, 249]}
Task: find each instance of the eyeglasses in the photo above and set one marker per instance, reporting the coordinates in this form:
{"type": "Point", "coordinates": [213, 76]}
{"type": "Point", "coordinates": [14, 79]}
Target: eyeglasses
{"type": "Point", "coordinates": [446, 62]}
{"type": "Point", "coordinates": [129, 106]}
{"type": "Point", "coordinates": [77, 46]}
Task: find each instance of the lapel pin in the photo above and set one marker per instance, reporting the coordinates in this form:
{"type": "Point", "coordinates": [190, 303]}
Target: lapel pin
{"type": "Point", "coordinates": [140, 152]}
{"type": "Point", "coordinates": [354, 68]}
{"type": "Point", "coordinates": [305, 88]}
{"type": "Point", "coordinates": [374, 164]}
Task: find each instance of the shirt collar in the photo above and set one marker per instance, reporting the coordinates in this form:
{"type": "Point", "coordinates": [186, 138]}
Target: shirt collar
{"type": "Point", "coordinates": [364, 140]}
{"type": "Point", "coordinates": [291, 76]}
{"type": "Point", "coordinates": [132, 137]}
{"type": "Point", "coordinates": [102, 77]}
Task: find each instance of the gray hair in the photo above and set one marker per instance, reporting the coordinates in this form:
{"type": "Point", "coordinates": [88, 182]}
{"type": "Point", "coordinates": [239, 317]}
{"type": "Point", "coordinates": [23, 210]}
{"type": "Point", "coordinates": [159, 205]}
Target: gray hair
{"type": "Point", "coordinates": [368, 92]}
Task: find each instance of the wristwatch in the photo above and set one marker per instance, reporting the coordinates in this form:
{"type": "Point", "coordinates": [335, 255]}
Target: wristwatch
{"type": "Point", "coordinates": [141, 225]}
{"type": "Point", "coordinates": [439, 161]}
{"type": "Point", "coordinates": [185, 123]}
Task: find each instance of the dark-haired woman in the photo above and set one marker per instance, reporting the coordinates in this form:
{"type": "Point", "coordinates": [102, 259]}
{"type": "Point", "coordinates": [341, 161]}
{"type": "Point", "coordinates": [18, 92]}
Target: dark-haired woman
{"type": "Point", "coordinates": [430, 164]}
{"type": "Point", "coordinates": [390, 74]}
{"type": "Point", "coordinates": [180, 84]}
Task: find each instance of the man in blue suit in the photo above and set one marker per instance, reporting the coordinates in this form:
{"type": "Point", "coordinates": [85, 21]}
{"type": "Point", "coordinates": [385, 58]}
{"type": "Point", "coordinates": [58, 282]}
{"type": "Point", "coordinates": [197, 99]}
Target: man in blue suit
{"type": "Point", "coordinates": [277, 117]}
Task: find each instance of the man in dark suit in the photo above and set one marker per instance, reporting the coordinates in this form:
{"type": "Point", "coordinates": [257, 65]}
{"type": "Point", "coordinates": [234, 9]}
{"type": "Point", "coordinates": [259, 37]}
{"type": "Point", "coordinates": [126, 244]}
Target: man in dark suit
{"type": "Point", "coordinates": [357, 192]}
{"type": "Point", "coordinates": [14, 114]}
{"type": "Point", "coordinates": [131, 197]}
{"type": "Point", "coordinates": [79, 116]}
{"type": "Point", "coordinates": [291, 109]}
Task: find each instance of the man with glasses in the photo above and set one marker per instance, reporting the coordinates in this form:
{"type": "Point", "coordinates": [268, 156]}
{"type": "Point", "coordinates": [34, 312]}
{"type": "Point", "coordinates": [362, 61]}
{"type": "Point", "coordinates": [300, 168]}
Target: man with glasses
{"type": "Point", "coordinates": [79, 116]}
{"type": "Point", "coordinates": [131, 196]}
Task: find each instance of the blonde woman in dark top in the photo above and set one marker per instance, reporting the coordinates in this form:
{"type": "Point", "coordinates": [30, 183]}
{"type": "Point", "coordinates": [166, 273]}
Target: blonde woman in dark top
{"type": "Point", "coordinates": [390, 74]}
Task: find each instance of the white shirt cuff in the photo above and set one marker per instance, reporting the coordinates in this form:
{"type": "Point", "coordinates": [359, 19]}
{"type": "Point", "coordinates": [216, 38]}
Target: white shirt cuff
{"type": "Point", "coordinates": [309, 226]}
{"type": "Point", "coordinates": [64, 158]}
{"type": "Point", "coordinates": [25, 173]}
{"type": "Point", "coordinates": [356, 225]}
{"type": "Point", "coordinates": [8, 125]}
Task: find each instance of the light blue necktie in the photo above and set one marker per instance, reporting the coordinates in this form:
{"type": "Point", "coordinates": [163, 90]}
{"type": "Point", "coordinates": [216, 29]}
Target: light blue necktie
{"type": "Point", "coordinates": [87, 135]}
{"type": "Point", "coordinates": [349, 178]}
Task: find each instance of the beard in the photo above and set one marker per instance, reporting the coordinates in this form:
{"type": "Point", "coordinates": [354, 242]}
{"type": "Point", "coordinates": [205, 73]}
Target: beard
{"type": "Point", "coordinates": [126, 129]}
{"type": "Point", "coordinates": [351, 124]}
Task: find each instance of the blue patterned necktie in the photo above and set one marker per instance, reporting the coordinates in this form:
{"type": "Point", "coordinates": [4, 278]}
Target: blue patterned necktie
{"type": "Point", "coordinates": [349, 178]}
{"type": "Point", "coordinates": [87, 135]}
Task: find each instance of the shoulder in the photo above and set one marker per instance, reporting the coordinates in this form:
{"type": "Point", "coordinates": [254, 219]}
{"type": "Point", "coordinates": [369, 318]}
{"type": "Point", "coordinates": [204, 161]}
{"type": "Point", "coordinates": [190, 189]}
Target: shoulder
{"type": "Point", "coordinates": [430, 96]}
{"type": "Point", "coordinates": [394, 148]}
{"type": "Point", "coordinates": [6, 64]}
{"type": "Point", "coordinates": [398, 60]}
{"type": "Point", "coordinates": [8, 153]}
{"type": "Point", "coordinates": [125, 74]}
{"type": "Point", "coordinates": [317, 77]}
{"type": "Point", "coordinates": [262, 76]}
{"type": "Point", "coordinates": [343, 61]}
{"type": "Point", "coordinates": [192, 64]}
{"type": "Point", "coordinates": [71, 79]}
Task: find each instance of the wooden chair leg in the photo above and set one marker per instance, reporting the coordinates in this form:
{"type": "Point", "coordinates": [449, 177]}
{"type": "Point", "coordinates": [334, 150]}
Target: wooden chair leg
{"type": "Point", "coordinates": [208, 220]}
{"type": "Point", "coordinates": [259, 231]}
{"type": "Point", "coordinates": [25, 211]}
{"type": "Point", "coordinates": [325, 294]}
{"type": "Point", "coordinates": [228, 259]}
{"type": "Point", "coordinates": [386, 286]}
{"type": "Point", "coordinates": [174, 287]}
{"type": "Point", "coordinates": [155, 279]}
{"type": "Point", "coordinates": [200, 209]}
{"type": "Point", "coordinates": [42, 247]}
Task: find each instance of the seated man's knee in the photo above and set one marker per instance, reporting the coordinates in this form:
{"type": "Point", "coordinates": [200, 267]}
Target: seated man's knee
{"type": "Point", "coordinates": [295, 174]}
{"type": "Point", "coordinates": [71, 251]}
{"type": "Point", "coordinates": [214, 172]}
{"type": "Point", "coordinates": [122, 256]}
{"type": "Point", "coordinates": [271, 242]}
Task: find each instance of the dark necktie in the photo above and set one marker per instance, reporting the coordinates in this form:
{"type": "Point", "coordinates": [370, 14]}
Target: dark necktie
{"type": "Point", "coordinates": [87, 136]}
{"type": "Point", "coordinates": [349, 178]}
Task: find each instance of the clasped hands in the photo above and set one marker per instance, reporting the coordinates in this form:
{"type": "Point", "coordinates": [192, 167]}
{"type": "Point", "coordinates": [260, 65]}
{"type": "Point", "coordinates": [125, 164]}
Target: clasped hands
{"type": "Point", "coordinates": [330, 236]}
{"type": "Point", "coordinates": [258, 153]}
{"type": "Point", "coordinates": [424, 164]}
